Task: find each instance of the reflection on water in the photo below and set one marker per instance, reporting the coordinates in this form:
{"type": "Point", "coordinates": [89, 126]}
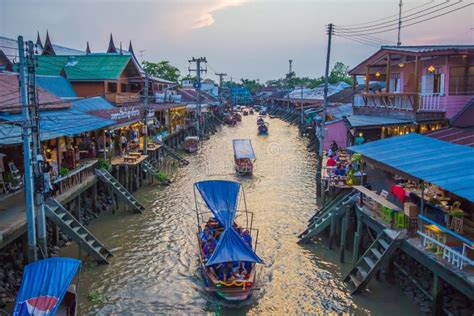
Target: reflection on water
{"type": "Point", "coordinates": [155, 266]}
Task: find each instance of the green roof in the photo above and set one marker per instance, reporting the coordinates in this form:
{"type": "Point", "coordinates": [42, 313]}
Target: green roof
{"type": "Point", "coordinates": [85, 67]}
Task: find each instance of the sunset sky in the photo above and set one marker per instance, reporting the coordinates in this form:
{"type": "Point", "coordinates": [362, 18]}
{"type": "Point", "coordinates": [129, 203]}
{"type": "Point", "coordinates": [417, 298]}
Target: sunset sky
{"type": "Point", "coordinates": [244, 38]}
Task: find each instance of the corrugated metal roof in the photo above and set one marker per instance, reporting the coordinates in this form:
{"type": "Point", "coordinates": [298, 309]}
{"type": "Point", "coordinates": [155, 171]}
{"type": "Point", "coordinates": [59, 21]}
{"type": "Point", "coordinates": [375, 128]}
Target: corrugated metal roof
{"type": "Point", "coordinates": [373, 120]}
{"type": "Point", "coordinates": [54, 124]}
{"type": "Point", "coordinates": [85, 67]}
{"type": "Point", "coordinates": [10, 96]}
{"type": "Point", "coordinates": [449, 166]}
{"type": "Point", "coordinates": [92, 104]}
{"type": "Point", "coordinates": [10, 45]}
{"type": "Point", "coordinates": [465, 117]}
{"type": "Point", "coordinates": [56, 85]}
{"type": "Point", "coordinates": [428, 48]}
{"type": "Point", "coordinates": [461, 136]}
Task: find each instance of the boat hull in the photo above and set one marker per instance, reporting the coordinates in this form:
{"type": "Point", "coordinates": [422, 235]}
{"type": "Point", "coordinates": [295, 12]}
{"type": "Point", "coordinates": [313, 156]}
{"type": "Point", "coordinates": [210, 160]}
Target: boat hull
{"type": "Point", "coordinates": [232, 293]}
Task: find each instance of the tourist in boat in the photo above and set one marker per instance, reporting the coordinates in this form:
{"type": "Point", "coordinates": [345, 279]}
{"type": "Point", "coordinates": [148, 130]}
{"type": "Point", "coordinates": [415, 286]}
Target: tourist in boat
{"type": "Point", "coordinates": [205, 235]}
{"type": "Point", "coordinates": [209, 247]}
{"type": "Point", "coordinates": [247, 238]}
{"type": "Point", "coordinates": [225, 273]}
{"type": "Point", "coordinates": [334, 146]}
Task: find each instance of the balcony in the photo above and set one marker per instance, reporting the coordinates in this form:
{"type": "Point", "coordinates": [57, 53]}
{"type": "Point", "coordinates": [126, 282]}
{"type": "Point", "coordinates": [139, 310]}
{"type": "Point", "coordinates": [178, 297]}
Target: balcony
{"type": "Point", "coordinates": [123, 97]}
{"type": "Point", "coordinates": [413, 106]}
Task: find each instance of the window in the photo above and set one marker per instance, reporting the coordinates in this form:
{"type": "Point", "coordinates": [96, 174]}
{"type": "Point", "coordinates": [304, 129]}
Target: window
{"type": "Point", "coordinates": [112, 87]}
{"type": "Point", "coordinates": [461, 80]}
{"type": "Point", "coordinates": [395, 83]}
{"type": "Point", "coordinates": [432, 83]}
{"type": "Point", "coordinates": [123, 87]}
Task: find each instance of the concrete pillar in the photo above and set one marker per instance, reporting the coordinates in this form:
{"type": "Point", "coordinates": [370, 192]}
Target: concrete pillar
{"type": "Point", "coordinates": [436, 293]}
{"type": "Point", "coordinates": [357, 239]}
{"type": "Point", "coordinates": [345, 224]}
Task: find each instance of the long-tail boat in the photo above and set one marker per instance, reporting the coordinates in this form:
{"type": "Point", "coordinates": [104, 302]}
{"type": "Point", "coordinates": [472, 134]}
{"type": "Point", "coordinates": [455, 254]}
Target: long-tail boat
{"type": "Point", "coordinates": [244, 156]}
{"type": "Point", "coordinates": [229, 267]}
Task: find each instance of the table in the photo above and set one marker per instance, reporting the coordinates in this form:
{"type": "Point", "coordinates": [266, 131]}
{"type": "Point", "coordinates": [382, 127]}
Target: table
{"type": "Point", "coordinates": [377, 198]}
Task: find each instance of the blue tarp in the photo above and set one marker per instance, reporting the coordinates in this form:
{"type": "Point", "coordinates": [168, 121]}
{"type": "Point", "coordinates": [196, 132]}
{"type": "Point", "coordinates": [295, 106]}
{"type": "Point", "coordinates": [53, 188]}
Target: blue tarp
{"type": "Point", "coordinates": [53, 124]}
{"type": "Point", "coordinates": [44, 285]}
{"type": "Point", "coordinates": [57, 85]}
{"type": "Point", "coordinates": [243, 149]}
{"type": "Point", "coordinates": [232, 248]}
{"type": "Point", "coordinates": [221, 198]}
{"type": "Point", "coordinates": [449, 166]}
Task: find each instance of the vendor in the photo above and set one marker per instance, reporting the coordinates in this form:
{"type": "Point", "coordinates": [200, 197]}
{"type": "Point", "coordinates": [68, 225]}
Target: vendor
{"type": "Point", "coordinates": [340, 170]}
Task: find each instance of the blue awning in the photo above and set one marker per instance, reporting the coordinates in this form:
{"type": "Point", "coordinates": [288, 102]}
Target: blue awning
{"type": "Point", "coordinates": [44, 285]}
{"type": "Point", "coordinates": [232, 248]}
{"type": "Point", "coordinates": [243, 149]}
{"type": "Point", "coordinates": [221, 198]}
{"type": "Point", "coordinates": [53, 124]}
{"type": "Point", "coordinates": [449, 166]}
{"type": "Point", "coordinates": [374, 120]}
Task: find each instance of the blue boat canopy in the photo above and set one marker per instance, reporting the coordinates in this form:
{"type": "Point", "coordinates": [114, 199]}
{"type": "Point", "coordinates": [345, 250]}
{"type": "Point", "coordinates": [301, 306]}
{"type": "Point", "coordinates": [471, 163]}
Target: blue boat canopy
{"type": "Point", "coordinates": [243, 149]}
{"type": "Point", "coordinates": [221, 198]}
{"type": "Point", "coordinates": [44, 285]}
{"type": "Point", "coordinates": [232, 248]}
{"type": "Point", "coordinates": [449, 166]}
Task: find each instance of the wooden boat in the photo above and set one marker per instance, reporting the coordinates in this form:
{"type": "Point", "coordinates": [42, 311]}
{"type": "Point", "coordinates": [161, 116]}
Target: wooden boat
{"type": "Point", "coordinates": [244, 156]}
{"type": "Point", "coordinates": [191, 144]}
{"type": "Point", "coordinates": [251, 111]}
{"type": "Point", "coordinates": [229, 269]}
{"type": "Point", "coordinates": [46, 288]}
{"type": "Point", "coordinates": [229, 119]}
{"type": "Point", "coordinates": [263, 129]}
{"type": "Point", "coordinates": [237, 117]}
{"type": "Point", "coordinates": [245, 112]}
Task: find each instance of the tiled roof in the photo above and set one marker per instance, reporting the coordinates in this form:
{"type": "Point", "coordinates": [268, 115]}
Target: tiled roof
{"type": "Point", "coordinates": [86, 67]}
{"type": "Point", "coordinates": [10, 96]}
{"type": "Point", "coordinates": [429, 48]}
{"type": "Point", "coordinates": [461, 136]}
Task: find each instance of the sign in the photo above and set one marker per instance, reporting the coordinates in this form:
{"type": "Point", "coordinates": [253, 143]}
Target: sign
{"type": "Point", "coordinates": [121, 115]}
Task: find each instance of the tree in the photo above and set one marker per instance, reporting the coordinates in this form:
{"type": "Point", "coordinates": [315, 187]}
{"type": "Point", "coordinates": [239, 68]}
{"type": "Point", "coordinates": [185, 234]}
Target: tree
{"type": "Point", "coordinates": [340, 72]}
{"type": "Point", "coordinates": [162, 69]}
{"type": "Point", "coordinates": [252, 85]}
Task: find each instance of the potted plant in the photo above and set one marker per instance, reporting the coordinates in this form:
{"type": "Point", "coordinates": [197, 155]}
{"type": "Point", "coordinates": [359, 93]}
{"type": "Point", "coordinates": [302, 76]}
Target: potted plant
{"type": "Point", "coordinates": [356, 173]}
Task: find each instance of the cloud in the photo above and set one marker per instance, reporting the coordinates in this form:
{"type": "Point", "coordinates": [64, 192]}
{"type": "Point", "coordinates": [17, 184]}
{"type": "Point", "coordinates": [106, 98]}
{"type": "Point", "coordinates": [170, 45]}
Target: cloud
{"type": "Point", "coordinates": [206, 17]}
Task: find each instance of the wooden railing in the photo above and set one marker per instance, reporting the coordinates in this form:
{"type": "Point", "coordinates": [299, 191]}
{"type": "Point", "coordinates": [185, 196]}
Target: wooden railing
{"type": "Point", "coordinates": [417, 102]}
{"type": "Point", "coordinates": [398, 101]}
{"type": "Point", "coordinates": [74, 177]}
{"type": "Point", "coordinates": [431, 102]}
{"type": "Point", "coordinates": [457, 256]}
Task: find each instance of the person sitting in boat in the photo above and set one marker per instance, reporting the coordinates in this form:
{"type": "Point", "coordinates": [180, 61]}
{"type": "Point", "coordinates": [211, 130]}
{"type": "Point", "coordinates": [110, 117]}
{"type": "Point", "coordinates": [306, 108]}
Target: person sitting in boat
{"type": "Point", "coordinates": [225, 273]}
{"type": "Point", "coordinates": [205, 235]}
{"type": "Point", "coordinates": [214, 269]}
{"type": "Point", "coordinates": [246, 237]}
{"type": "Point", "coordinates": [209, 247]}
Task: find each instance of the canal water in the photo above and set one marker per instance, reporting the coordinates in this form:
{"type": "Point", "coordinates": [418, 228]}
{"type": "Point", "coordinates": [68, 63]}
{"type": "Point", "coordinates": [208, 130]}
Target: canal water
{"type": "Point", "coordinates": [154, 269]}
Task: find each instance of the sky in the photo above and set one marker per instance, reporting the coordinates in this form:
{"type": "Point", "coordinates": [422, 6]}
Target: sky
{"type": "Point", "coordinates": [251, 39]}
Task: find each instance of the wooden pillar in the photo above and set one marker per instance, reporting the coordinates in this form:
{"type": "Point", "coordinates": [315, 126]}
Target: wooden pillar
{"type": "Point", "coordinates": [357, 239]}
{"type": "Point", "coordinates": [388, 73]}
{"type": "Point", "coordinates": [345, 224]}
{"type": "Point", "coordinates": [94, 197]}
{"type": "Point", "coordinates": [437, 289]}
{"type": "Point", "coordinates": [417, 83]}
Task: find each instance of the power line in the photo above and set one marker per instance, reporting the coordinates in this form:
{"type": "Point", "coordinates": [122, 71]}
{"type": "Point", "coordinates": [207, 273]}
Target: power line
{"type": "Point", "coordinates": [388, 17]}
{"type": "Point", "coordinates": [403, 26]}
{"type": "Point", "coordinates": [422, 13]}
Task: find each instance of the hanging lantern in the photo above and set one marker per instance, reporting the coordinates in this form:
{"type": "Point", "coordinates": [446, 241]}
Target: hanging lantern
{"type": "Point", "coordinates": [377, 74]}
{"type": "Point", "coordinates": [431, 68]}
{"type": "Point", "coordinates": [401, 65]}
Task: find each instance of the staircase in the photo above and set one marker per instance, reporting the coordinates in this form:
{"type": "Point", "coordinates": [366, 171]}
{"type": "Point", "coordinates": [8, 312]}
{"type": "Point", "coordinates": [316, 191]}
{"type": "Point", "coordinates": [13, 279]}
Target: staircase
{"type": "Point", "coordinates": [147, 165]}
{"type": "Point", "coordinates": [107, 178]}
{"type": "Point", "coordinates": [175, 155]}
{"type": "Point", "coordinates": [74, 229]}
{"type": "Point", "coordinates": [380, 250]}
{"type": "Point", "coordinates": [322, 219]}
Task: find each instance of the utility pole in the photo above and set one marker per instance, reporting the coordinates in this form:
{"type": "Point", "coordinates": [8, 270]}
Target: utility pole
{"type": "Point", "coordinates": [26, 135]}
{"type": "Point", "coordinates": [302, 106]}
{"type": "Point", "coordinates": [145, 101]}
{"type": "Point", "coordinates": [221, 80]}
{"type": "Point", "coordinates": [321, 130]}
{"type": "Point", "coordinates": [38, 158]}
{"type": "Point", "coordinates": [399, 22]}
{"type": "Point", "coordinates": [290, 72]}
{"type": "Point", "coordinates": [198, 71]}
